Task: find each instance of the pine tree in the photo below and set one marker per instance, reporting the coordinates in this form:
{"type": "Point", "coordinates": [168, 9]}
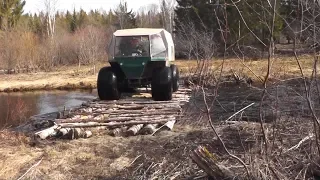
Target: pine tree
{"type": "Point", "coordinates": [10, 13]}
{"type": "Point", "coordinates": [126, 19]}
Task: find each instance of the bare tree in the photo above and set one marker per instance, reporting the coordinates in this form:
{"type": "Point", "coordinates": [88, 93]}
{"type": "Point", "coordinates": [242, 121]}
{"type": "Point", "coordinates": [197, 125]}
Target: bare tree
{"type": "Point", "coordinates": [167, 14]}
{"type": "Point", "coordinates": [50, 10]}
{"type": "Point", "coordinates": [148, 16]}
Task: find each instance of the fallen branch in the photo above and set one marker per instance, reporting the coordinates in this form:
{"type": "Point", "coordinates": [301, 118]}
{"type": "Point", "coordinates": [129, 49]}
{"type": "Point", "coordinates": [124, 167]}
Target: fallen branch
{"type": "Point", "coordinates": [239, 111]}
{"type": "Point", "coordinates": [207, 162]}
{"type": "Point", "coordinates": [299, 144]}
{"type": "Point", "coordinates": [168, 124]}
{"type": "Point", "coordinates": [33, 166]}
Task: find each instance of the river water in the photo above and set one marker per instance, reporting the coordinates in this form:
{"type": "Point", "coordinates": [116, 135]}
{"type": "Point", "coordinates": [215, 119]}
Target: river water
{"type": "Point", "coordinates": [16, 108]}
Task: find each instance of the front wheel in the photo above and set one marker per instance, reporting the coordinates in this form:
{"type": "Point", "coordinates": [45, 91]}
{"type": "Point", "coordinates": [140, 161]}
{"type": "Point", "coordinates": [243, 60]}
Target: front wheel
{"type": "Point", "coordinates": [175, 77]}
{"type": "Point", "coordinates": [161, 85]}
{"type": "Point", "coordinates": [107, 84]}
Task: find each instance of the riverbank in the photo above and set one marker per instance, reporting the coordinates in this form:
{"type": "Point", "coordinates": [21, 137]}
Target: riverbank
{"type": "Point", "coordinates": [62, 78]}
{"type": "Point", "coordinates": [72, 77]}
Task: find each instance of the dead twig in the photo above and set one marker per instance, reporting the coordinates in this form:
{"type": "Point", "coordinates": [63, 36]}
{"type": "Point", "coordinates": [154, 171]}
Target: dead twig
{"type": "Point", "coordinates": [239, 111]}
{"type": "Point", "coordinates": [310, 136]}
{"type": "Point", "coordinates": [33, 166]}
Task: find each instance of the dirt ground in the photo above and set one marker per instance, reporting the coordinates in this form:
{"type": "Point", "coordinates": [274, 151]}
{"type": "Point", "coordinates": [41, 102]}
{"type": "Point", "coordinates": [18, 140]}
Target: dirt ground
{"type": "Point", "coordinates": [103, 156]}
{"type": "Point", "coordinates": [285, 116]}
{"type": "Point", "coordinates": [163, 156]}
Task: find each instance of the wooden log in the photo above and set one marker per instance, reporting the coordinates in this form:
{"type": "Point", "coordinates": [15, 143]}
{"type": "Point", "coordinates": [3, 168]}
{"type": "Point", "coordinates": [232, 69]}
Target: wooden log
{"type": "Point", "coordinates": [119, 131]}
{"type": "Point", "coordinates": [137, 107]}
{"type": "Point", "coordinates": [149, 129]}
{"type": "Point", "coordinates": [208, 163]}
{"type": "Point", "coordinates": [167, 110]}
{"type": "Point", "coordinates": [175, 100]}
{"type": "Point", "coordinates": [132, 112]}
{"type": "Point", "coordinates": [88, 134]}
{"type": "Point", "coordinates": [116, 119]}
{"type": "Point", "coordinates": [144, 115]}
{"type": "Point", "coordinates": [63, 132]}
{"type": "Point", "coordinates": [100, 117]}
{"type": "Point", "coordinates": [73, 133]}
{"type": "Point", "coordinates": [111, 124]}
{"type": "Point", "coordinates": [126, 102]}
{"type": "Point", "coordinates": [44, 134]}
{"type": "Point", "coordinates": [134, 130]}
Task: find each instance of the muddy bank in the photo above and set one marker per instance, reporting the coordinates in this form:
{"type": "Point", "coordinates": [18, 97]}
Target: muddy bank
{"type": "Point", "coordinates": [47, 81]}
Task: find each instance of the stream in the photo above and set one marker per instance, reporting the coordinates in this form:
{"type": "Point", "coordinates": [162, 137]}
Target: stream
{"type": "Point", "coordinates": [16, 108]}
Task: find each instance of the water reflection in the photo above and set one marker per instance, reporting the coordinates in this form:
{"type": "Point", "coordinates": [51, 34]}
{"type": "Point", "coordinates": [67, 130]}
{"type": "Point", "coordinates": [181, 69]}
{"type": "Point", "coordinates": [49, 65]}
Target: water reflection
{"type": "Point", "coordinates": [16, 108]}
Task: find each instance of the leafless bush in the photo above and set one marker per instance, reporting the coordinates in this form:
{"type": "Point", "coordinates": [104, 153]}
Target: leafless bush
{"type": "Point", "coordinates": [23, 51]}
{"type": "Point", "coordinates": [18, 50]}
{"type": "Point", "coordinates": [92, 44]}
{"type": "Point", "coordinates": [201, 46]}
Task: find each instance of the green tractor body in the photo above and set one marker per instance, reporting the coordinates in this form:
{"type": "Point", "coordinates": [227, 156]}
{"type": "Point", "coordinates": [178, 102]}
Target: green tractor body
{"type": "Point", "coordinates": [139, 58]}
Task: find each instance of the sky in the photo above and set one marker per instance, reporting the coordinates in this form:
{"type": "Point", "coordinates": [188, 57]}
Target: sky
{"type": "Point", "coordinates": [35, 6]}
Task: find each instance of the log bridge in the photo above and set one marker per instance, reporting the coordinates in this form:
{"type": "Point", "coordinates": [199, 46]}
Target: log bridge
{"type": "Point", "coordinates": [132, 115]}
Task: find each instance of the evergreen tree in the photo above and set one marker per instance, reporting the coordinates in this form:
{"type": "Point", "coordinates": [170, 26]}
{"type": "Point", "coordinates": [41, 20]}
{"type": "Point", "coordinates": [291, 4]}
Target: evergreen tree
{"type": "Point", "coordinates": [216, 16]}
{"type": "Point", "coordinates": [10, 13]}
{"type": "Point", "coordinates": [126, 18]}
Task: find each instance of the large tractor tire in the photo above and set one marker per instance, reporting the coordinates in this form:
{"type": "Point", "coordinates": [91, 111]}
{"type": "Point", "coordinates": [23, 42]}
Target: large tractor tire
{"type": "Point", "coordinates": [161, 85]}
{"type": "Point", "coordinates": [107, 84]}
{"type": "Point", "coordinates": [175, 77]}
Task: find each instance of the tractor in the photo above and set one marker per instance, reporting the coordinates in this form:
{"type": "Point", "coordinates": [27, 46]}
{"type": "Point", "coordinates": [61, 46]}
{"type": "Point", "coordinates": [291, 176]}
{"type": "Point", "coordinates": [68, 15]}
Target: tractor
{"type": "Point", "coordinates": [138, 58]}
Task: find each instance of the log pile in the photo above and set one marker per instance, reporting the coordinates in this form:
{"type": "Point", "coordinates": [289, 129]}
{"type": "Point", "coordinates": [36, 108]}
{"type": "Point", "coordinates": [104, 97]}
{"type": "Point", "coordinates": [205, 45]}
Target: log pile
{"type": "Point", "coordinates": [126, 117]}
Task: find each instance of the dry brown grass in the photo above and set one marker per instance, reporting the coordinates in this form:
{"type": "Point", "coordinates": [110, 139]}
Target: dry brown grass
{"type": "Point", "coordinates": [72, 77]}
{"type": "Point", "coordinates": [165, 156]}
{"type": "Point", "coordinates": [100, 157]}
{"type": "Point", "coordinates": [65, 77]}
{"type": "Point", "coordinates": [282, 67]}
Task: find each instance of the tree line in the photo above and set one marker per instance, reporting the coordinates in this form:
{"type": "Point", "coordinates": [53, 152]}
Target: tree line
{"type": "Point", "coordinates": [201, 29]}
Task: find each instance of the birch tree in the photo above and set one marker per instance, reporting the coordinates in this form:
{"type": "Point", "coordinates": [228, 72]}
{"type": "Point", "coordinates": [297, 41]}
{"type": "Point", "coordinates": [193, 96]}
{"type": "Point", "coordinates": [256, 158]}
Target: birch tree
{"type": "Point", "coordinates": [50, 9]}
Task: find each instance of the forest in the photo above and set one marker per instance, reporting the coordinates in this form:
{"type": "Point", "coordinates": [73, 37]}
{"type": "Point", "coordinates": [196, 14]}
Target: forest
{"type": "Point", "coordinates": [202, 30]}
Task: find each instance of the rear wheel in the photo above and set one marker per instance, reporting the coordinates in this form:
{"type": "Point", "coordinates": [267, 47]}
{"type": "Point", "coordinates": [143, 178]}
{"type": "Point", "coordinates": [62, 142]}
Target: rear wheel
{"type": "Point", "coordinates": [107, 84]}
{"type": "Point", "coordinates": [161, 85]}
{"type": "Point", "coordinates": [175, 77]}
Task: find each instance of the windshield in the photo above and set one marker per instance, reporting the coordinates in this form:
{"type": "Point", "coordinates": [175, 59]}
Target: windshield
{"type": "Point", "coordinates": [158, 48]}
{"type": "Point", "coordinates": [132, 46]}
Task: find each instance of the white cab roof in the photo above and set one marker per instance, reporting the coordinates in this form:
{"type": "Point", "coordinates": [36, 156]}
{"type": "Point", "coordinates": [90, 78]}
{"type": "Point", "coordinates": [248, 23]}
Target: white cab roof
{"type": "Point", "coordinates": [138, 32]}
